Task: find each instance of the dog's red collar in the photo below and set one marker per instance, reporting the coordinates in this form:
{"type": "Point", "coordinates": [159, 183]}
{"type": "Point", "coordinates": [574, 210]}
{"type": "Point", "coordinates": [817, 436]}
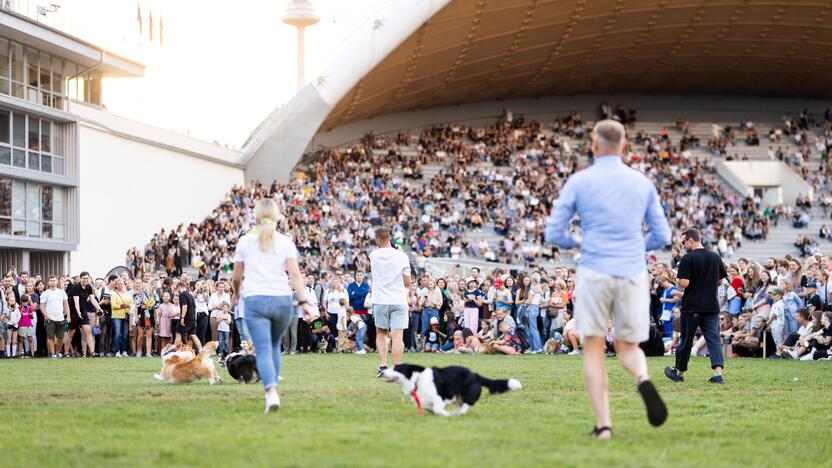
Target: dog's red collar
{"type": "Point", "coordinates": [415, 395]}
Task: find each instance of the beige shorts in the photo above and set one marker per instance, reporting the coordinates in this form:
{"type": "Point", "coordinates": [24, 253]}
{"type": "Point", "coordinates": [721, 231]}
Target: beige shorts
{"type": "Point", "coordinates": [600, 297]}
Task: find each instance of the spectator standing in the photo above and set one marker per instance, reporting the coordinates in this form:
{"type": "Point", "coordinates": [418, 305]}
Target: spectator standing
{"type": "Point", "coordinates": [215, 305]}
{"type": "Point", "coordinates": [700, 273]}
{"type": "Point", "coordinates": [201, 299]}
{"type": "Point", "coordinates": [122, 300]}
{"type": "Point", "coordinates": [55, 306]}
{"type": "Point", "coordinates": [82, 300]}
{"type": "Point", "coordinates": [358, 291]}
{"type": "Point", "coordinates": [186, 326]}
{"type": "Point", "coordinates": [473, 300]}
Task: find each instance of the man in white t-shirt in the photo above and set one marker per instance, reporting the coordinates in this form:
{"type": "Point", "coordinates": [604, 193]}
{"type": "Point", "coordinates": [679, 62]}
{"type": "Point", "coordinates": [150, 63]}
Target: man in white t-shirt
{"type": "Point", "coordinates": [55, 306]}
{"type": "Point", "coordinates": [390, 269]}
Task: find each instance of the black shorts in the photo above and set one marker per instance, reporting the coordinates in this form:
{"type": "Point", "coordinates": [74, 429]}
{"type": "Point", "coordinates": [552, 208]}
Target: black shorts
{"type": "Point", "coordinates": [185, 330]}
{"type": "Point", "coordinates": [74, 321]}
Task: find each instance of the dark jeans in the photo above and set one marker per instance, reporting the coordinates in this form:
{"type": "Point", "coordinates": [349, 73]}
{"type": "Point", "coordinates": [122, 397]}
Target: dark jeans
{"type": "Point", "coordinates": [202, 328]}
{"type": "Point", "coordinates": [709, 324]}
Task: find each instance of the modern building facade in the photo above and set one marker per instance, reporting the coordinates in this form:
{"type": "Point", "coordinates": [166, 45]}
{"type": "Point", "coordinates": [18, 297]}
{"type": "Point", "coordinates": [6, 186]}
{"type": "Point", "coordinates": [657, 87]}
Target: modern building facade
{"type": "Point", "coordinates": [64, 159]}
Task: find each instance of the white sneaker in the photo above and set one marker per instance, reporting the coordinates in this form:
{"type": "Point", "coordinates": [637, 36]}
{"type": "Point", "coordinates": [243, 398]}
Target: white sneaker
{"type": "Point", "coordinates": [791, 353]}
{"type": "Point", "coordinates": [138, 354]}
{"type": "Point", "coordinates": [807, 357]}
{"type": "Point", "coordinates": [118, 354]}
{"type": "Point", "coordinates": [360, 352]}
{"type": "Point", "coordinates": [272, 402]}
{"type": "Point", "coordinates": [575, 352]}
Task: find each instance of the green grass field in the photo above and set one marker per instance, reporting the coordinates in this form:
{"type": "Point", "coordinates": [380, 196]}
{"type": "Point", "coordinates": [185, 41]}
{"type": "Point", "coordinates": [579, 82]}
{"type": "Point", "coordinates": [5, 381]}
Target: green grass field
{"type": "Point", "coordinates": [111, 412]}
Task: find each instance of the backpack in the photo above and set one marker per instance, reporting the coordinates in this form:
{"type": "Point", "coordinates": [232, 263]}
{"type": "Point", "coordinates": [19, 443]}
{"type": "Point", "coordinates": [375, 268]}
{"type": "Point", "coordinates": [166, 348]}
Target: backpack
{"type": "Point", "coordinates": [522, 337]}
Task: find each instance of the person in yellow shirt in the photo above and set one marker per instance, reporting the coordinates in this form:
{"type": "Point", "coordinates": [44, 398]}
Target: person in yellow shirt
{"type": "Point", "coordinates": [121, 301]}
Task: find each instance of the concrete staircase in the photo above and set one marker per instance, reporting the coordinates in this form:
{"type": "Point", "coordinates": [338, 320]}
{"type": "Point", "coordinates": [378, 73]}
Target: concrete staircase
{"type": "Point", "coordinates": [780, 241]}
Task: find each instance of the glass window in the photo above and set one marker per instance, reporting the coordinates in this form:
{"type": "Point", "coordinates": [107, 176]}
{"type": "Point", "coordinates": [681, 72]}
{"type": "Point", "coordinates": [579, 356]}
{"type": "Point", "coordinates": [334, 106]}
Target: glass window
{"type": "Point", "coordinates": [45, 163]}
{"type": "Point", "coordinates": [19, 158]}
{"type": "Point", "coordinates": [34, 229]}
{"type": "Point", "coordinates": [34, 136]}
{"type": "Point", "coordinates": [4, 126]}
{"type": "Point", "coordinates": [32, 66]}
{"type": "Point", "coordinates": [16, 52]}
{"type": "Point", "coordinates": [47, 231]}
{"type": "Point", "coordinates": [57, 75]}
{"type": "Point", "coordinates": [45, 72]}
{"type": "Point", "coordinates": [4, 58]}
{"type": "Point", "coordinates": [5, 155]}
{"type": "Point", "coordinates": [58, 166]}
{"type": "Point", "coordinates": [58, 206]}
{"type": "Point", "coordinates": [5, 227]}
{"type": "Point", "coordinates": [58, 231]}
{"type": "Point", "coordinates": [46, 203]}
{"type": "Point", "coordinates": [45, 133]}
{"type": "Point", "coordinates": [33, 202]}
{"type": "Point", "coordinates": [5, 197]}
{"type": "Point", "coordinates": [18, 227]}
{"type": "Point", "coordinates": [34, 160]}
{"type": "Point", "coordinates": [5, 88]}
{"type": "Point", "coordinates": [18, 199]}
{"type": "Point", "coordinates": [19, 129]}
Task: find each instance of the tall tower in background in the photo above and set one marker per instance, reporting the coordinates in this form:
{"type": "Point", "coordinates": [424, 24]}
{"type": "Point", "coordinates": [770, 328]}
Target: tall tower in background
{"type": "Point", "coordinates": [300, 14]}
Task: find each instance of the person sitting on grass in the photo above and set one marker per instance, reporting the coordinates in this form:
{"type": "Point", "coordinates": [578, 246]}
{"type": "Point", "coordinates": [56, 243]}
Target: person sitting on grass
{"type": "Point", "coordinates": [796, 344]}
{"type": "Point", "coordinates": [455, 343]}
{"type": "Point", "coordinates": [357, 331]}
{"type": "Point", "coordinates": [747, 343]}
{"type": "Point", "coordinates": [433, 339]}
{"type": "Point", "coordinates": [571, 334]}
{"type": "Point", "coordinates": [676, 333]}
{"type": "Point", "coordinates": [822, 340]}
{"type": "Point", "coordinates": [320, 333]}
{"type": "Point", "coordinates": [507, 342]}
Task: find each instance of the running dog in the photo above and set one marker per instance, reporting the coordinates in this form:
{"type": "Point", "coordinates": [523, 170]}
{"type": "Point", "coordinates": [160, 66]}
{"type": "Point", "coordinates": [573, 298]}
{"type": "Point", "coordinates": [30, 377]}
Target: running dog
{"type": "Point", "coordinates": [179, 371]}
{"type": "Point", "coordinates": [242, 365]}
{"type": "Point", "coordinates": [435, 388]}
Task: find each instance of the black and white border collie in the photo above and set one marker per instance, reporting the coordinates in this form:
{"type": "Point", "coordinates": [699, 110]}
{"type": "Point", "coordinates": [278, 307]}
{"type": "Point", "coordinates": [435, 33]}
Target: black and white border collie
{"type": "Point", "coordinates": [435, 388]}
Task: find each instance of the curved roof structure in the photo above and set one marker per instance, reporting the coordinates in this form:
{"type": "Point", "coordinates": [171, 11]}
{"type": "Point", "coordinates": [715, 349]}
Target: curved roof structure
{"type": "Point", "coordinates": [437, 52]}
{"type": "Point", "coordinates": [475, 50]}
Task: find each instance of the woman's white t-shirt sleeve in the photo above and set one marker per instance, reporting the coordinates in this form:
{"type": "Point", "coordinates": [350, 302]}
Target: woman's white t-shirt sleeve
{"type": "Point", "coordinates": [265, 271]}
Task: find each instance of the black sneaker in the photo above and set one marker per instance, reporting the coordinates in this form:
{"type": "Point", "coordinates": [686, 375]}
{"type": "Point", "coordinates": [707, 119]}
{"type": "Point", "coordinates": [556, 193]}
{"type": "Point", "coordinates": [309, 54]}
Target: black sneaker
{"type": "Point", "coordinates": [656, 409]}
{"type": "Point", "coordinates": [717, 379]}
{"type": "Point", "coordinates": [775, 356]}
{"type": "Point", "coordinates": [381, 369]}
{"type": "Point", "coordinates": [672, 374]}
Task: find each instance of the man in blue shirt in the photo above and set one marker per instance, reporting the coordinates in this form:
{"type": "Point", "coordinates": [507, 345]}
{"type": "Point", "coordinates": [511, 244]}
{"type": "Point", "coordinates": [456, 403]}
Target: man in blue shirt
{"type": "Point", "coordinates": [613, 202]}
{"type": "Point", "coordinates": [358, 291]}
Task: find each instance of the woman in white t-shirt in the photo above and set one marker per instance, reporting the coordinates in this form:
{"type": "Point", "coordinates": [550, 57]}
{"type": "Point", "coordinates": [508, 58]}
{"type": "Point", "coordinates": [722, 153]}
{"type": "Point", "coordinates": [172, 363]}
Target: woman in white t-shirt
{"type": "Point", "coordinates": [264, 257]}
{"type": "Point", "coordinates": [333, 297]}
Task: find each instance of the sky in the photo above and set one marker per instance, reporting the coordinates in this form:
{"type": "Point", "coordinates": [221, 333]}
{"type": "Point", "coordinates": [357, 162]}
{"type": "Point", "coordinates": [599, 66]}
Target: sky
{"type": "Point", "coordinates": [223, 65]}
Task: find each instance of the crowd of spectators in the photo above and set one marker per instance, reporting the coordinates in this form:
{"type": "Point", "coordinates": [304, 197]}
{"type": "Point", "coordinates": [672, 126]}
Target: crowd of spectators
{"type": "Point", "coordinates": [780, 309]}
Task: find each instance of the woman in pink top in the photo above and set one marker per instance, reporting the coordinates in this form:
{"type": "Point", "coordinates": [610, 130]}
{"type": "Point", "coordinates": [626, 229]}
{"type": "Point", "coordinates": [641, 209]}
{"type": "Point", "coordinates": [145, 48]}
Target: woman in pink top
{"type": "Point", "coordinates": [26, 329]}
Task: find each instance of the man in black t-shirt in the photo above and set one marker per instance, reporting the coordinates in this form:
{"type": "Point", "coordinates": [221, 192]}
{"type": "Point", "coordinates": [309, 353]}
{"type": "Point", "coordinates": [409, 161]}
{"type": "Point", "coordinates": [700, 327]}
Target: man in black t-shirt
{"type": "Point", "coordinates": [82, 303]}
{"type": "Point", "coordinates": [700, 272]}
{"type": "Point", "coordinates": [186, 328]}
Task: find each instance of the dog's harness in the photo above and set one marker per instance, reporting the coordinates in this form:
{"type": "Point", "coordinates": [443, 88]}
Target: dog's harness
{"type": "Point", "coordinates": [415, 396]}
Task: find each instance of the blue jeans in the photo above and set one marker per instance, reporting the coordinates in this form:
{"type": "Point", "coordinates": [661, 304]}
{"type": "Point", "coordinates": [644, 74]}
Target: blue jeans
{"type": "Point", "coordinates": [411, 329]}
{"type": "Point", "coordinates": [222, 337]}
{"type": "Point", "coordinates": [267, 318]}
{"type": "Point", "coordinates": [120, 334]}
{"type": "Point", "coordinates": [242, 329]}
{"type": "Point", "coordinates": [534, 333]}
{"type": "Point", "coordinates": [359, 338]}
{"type": "Point", "coordinates": [791, 325]}
{"type": "Point", "coordinates": [427, 313]}
{"type": "Point", "coordinates": [709, 324]}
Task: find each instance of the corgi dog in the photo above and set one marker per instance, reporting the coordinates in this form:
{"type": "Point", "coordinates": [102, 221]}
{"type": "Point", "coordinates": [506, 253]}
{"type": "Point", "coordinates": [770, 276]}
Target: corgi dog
{"type": "Point", "coordinates": [179, 371]}
{"type": "Point", "coordinates": [552, 346]}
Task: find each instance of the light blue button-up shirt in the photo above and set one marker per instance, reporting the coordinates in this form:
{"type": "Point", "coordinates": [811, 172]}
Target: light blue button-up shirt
{"type": "Point", "coordinates": [613, 200]}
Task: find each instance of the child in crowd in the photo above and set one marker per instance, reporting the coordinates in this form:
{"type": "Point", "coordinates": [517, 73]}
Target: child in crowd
{"type": "Point", "coordinates": [433, 339]}
{"type": "Point", "coordinates": [341, 324]}
{"type": "Point", "coordinates": [165, 314]}
{"type": "Point", "coordinates": [223, 329]}
{"type": "Point", "coordinates": [11, 319]}
{"type": "Point", "coordinates": [777, 321]}
{"type": "Point", "coordinates": [26, 328]}
{"type": "Point", "coordinates": [670, 346]}
{"type": "Point", "coordinates": [507, 342]}
{"type": "Point", "coordinates": [456, 343]}
{"type": "Point", "coordinates": [357, 331]}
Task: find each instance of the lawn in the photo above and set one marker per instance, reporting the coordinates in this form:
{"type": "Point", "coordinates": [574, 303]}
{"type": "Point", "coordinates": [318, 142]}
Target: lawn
{"type": "Point", "coordinates": [111, 412]}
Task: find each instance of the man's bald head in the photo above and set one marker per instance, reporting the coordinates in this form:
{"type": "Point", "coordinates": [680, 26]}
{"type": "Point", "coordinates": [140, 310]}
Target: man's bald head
{"type": "Point", "coordinates": [609, 137]}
